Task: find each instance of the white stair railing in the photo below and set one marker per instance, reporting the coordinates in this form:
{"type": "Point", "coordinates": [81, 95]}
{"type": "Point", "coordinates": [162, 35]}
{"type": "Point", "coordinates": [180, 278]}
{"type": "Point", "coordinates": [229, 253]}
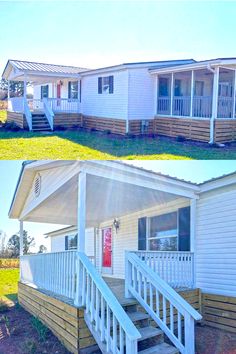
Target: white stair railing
{"type": "Point", "coordinates": [48, 113]}
{"type": "Point", "coordinates": [166, 307]}
{"type": "Point", "coordinates": [110, 325]}
{"type": "Point", "coordinates": [28, 114]}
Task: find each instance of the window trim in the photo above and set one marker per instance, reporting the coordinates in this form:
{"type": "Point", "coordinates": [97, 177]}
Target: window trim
{"type": "Point", "coordinates": [101, 84]}
{"type": "Point", "coordinates": [68, 238]}
{"type": "Point", "coordinates": [70, 91]}
{"type": "Point", "coordinates": [41, 91]}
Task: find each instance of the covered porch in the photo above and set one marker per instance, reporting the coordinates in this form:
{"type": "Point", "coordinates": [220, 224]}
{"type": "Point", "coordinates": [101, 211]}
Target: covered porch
{"type": "Point", "coordinates": [55, 89]}
{"type": "Point", "coordinates": [146, 277]}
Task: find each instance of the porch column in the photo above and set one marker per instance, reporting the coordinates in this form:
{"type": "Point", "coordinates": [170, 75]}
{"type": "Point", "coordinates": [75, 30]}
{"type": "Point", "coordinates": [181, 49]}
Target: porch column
{"type": "Point", "coordinates": [21, 238]}
{"type": "Point", "coordinates": [171, 94]}
{"type": "Point", "coordinates": [8, 90]}
{"type": "Point", "coordinates": [214, 103]}
{"type": "Point", "coordinates": [234, 94]}
{"type": "Point", "coordinates": [24, 95]}
{"type": "Point", "coordinates": [192, 93]}
{"type": "Point", "coordinates": [193, 208]}
{"type": "Point", "coordinates": [81, 223]}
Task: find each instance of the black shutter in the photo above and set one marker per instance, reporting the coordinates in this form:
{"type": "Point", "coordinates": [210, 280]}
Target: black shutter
{"type": "Point", "coordinates": [47, 90]}
{"type": "Point", "coordinates": [184, 229]}
{"type": "Point", "coordinates": [80, 90]}
{"type": "Point", "coordinates": [100, 85]}
{"type": "Point", "coordinates": [142, 234]}
{"type": "Point", "coordinates": [66, 243]}
{"type": "Point", "coordinates": [41, 92]}
{"type": "Point", "coordinates": [69, 89]}
{"type": "Point", "coordinates": [111, 84]}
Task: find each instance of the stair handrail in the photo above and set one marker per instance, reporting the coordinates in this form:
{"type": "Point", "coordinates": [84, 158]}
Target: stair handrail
{"type": "Point", "coordinates": [100, 303]}
{"type": "Point", "coordinates": [139, 279]}
{"type": "Point", "coordinates": [48, 113]}
{"type": "Point", "coordinates": [27, 113]}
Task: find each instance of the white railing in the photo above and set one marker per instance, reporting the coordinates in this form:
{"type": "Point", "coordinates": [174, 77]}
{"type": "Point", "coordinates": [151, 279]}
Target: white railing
{"type": "Point", "coordinates": [181, 105]}
{"type": "Point", "coordinates": [202, 106]}
{"type": "Point", "coordinates": [105, 317]}
{"type": "Point", "coordinates": [48, 113]}
{"type": "Point", "coordinates": [55, 272]}
{"type": "Point", "coordinates": [28, 114]}
{"type": "Point", "coordinates": [225, 107]}
{"type": "Point", "coordinates": [35, 104]}
{"type": "Point", "coordinates": [163, 105]}
{"type": "Point", "coordinates": [16, 104]}
{"type": "Point", "coordinates": [176, 268]}
{"type": "Point", "coordinates": [166, 307]}
{"type": "Point", "coordinates": [64, 105]}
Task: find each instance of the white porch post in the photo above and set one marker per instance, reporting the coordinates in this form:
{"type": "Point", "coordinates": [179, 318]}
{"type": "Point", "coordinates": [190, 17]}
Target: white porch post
{"type": "Point", "coordinates": [192, 93]}
{"type": "Point", "coordinates": [21, 238]}
{"type": "Point", "coordinates": [171, 94]}
{"type": "Point", "coordinates": [193, 208]}
{"type": "Point", "coordinates": [81, 225]}
{"type": "Point", "coordinates": [234, 95]}
{"type": "Point", "coordinates": [24, 96]}
{"type": "Point", "coordinates": [214, 103]}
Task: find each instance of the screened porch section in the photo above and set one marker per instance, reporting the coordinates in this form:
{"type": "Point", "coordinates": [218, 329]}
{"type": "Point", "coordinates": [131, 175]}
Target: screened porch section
{"type": "Point", "coordinates": [191, 94]}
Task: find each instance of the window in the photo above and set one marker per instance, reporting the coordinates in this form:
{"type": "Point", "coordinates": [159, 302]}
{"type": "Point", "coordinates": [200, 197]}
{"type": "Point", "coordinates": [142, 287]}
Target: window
{"type": "Point", "coordinates": [44, 91]}
{"type": "Point", "coordinates": [71, 242]}
{"type": "Point", "coordinates": [163, 87]}
{"type": "Point", "coordinates": [73, 89]}
{"type": "Point", "coordinates": [178, 87]}
{"type": "Point", "coordinates": [199, 88]}
{"type": "Point", "coordinates": [225, 89]}
{"type": "Point", "coordinates": [163, 233]}
{"type": "Point", "coordinates": [106, 84]}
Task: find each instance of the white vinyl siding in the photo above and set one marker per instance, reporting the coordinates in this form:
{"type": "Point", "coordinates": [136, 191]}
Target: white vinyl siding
{"type": "Point", "coordinates": [106, 106]}
{"type": "Point", "coordinates": [142, 94]}
{"type": "Point", "coordinates": [126, 237]}
{"type": "Point", "coordinates": [216, 242]}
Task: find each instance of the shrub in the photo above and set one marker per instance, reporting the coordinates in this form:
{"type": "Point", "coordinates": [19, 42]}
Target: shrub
{"type": "Point", "coordinates": [29, 346]}
{"type": "Point", "coordinates": [59, 127]}
{"type": "Point", "coordinates": [40, 328]}
{"type": "Point", "coordinates": [11, 126]}
{"type": "Point", "coordinates": [107, 131]}
{"type": "Point", "coordinates": [9, 263]}
{"type": "Point", "coordinates": [180, 138]}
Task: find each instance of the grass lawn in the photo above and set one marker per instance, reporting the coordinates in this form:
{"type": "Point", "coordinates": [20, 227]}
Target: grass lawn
{"type": "Point", "coordinates": [8, 285]}
{"type": "Point", "coordinates": [93, 145]}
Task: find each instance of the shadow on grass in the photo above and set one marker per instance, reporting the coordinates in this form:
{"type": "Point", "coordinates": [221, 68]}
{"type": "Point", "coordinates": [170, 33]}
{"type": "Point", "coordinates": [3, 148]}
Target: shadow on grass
{"type": "Point", "coordinates": [131, 148]}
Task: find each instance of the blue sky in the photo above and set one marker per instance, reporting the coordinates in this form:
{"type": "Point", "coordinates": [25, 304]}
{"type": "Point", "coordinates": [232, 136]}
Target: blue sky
{"type": "Point", "coordinates": [195, 171]}
{"type": "Point", "coordinates": [100, 33]}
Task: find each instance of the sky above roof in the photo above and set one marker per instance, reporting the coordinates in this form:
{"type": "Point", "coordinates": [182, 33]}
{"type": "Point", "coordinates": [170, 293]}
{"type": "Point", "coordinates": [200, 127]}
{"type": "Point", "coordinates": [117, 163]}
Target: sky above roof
{"type": "Point", "coordinates": [102, 33]}
{"type": "Point", "coordinates": [195, 171]}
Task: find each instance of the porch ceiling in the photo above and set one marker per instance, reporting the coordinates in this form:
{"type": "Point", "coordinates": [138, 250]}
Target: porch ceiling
{"type": "Point", "coordinates": [106, 199]}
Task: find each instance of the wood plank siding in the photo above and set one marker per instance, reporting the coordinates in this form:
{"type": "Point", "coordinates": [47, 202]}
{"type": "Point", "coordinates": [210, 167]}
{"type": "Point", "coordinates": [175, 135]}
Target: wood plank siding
{"type": "Point", "coordinates": [67, 120]}
{"type": "Point", "coordinates": [18, 118]}
{"type": "Point", "coordinates": [135, 127]}
{"type": "Point", "coordinates": [219, 311]}
{"type": "Point", "coordinates": [225, 130]}
{"type": "Point", "coordinates": [191, 129]}
{"type": "Point", "coordinates": [64, 320]}
{"type": "Point", "coordinates": [115, 126]}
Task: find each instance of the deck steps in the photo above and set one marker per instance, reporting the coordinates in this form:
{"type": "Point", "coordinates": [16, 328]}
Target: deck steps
{"type": "Point", "coordinates": [162, 348]}
{"type": "Point", "coordinates": [40, 122]}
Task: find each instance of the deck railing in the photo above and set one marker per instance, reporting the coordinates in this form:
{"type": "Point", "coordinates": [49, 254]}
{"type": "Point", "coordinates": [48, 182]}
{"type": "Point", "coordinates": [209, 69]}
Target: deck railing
{"type": "Point", "coordinates": [181, 105]}
{"type": "Point", "coordinates": [225, 107]}
{"type": "Point", "coordinates": [202, 106]}
{"type": "Point", "coordinates": [16, 104]}
{"type": "Point", "coordinates": [176, 268]}
{"type": "Point", "coordinates": [105, 317]}
{"type": "Point", "coordinates": [163, 105]}
{"type": "Point", "coordinates": [166, 307]}
{"type": "Point", "coordinates": [64, 105]}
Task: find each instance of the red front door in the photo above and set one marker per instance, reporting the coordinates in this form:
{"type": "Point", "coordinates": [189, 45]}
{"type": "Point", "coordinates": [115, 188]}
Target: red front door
{"type": "Point", "coordinates": [107, 249]}
{"type": "Point", "coordinates": [58, 93]}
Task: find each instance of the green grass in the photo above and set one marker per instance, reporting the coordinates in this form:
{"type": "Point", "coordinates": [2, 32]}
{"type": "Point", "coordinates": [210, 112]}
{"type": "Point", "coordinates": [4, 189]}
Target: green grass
{"type": "Point", "coordinates": [92, 145]}
{"type": "Point", "coordinates": [3, 115]}
{"type": "Point", "coordinates": [8, 285]}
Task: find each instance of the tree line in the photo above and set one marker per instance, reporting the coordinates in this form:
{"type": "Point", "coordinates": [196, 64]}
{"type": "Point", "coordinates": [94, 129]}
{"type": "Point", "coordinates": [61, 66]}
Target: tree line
{"type": "Point", "coordinates": [11, 248]}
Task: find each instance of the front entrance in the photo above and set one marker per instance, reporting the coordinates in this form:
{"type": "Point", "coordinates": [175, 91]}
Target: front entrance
{"type": "Point", "coordinates": [58, 94]}
{"type": "Point", "coordinates": [107, 250]}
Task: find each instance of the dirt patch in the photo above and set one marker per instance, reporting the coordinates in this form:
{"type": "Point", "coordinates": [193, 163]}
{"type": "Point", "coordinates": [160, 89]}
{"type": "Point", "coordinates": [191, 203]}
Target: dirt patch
{"type": "Point", "coordinates": [21, 333]}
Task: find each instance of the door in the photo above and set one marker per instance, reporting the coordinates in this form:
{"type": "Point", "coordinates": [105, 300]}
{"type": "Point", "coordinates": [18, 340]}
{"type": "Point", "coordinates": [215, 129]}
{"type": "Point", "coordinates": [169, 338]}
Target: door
{"type": "Point", "coordinates": [107, 250]}
{"type": "Point", "coordinates": [58, 94]}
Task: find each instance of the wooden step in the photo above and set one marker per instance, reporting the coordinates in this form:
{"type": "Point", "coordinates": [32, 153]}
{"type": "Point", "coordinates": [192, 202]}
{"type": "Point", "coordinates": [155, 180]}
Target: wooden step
{"type": "Point", "coordinates": [149, 332]}
{"type": "Point", "coordinates": [162, 348]}
{"type": "Point", "coordinates": [137, 316]}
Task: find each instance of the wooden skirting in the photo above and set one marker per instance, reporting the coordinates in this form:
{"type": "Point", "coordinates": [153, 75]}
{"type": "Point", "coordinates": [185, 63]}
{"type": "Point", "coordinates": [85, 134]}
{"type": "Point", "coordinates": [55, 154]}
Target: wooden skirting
{"type": "Point", "coordinates": [192, 129]}
{"type": "Point", "coordinates": [135, 127]}
{"type": "Point", "coordinates": [18, 119]}
{"type": "Point", "coordinates": [115, 126]}
{"type": "Point", "coordinates": [225, 130]}
{"type": "Point", "coordinates": [67, 120]}
{"type": "Point", "coordinates": [219, 311]}
{"type": "Point", "coordinates": [64, 320]}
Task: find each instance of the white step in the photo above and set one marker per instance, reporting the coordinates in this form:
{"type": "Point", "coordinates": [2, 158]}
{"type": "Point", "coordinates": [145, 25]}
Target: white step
{"type": "Point", "coordinates": [162, 348]}
{"type": "Point", "coordinates": [149, 332]}
{"type": "Point", "coordinates": [137, 316]}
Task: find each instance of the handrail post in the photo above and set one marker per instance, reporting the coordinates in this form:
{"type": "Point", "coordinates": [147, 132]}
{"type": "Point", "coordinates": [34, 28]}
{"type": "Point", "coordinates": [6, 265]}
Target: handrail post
{"type": "Point", "coordinates": [79, 281]}
{"type": "Point", "coordinates": [128, 275]}
{"type": "Point", "coordinates": [189, 334]}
